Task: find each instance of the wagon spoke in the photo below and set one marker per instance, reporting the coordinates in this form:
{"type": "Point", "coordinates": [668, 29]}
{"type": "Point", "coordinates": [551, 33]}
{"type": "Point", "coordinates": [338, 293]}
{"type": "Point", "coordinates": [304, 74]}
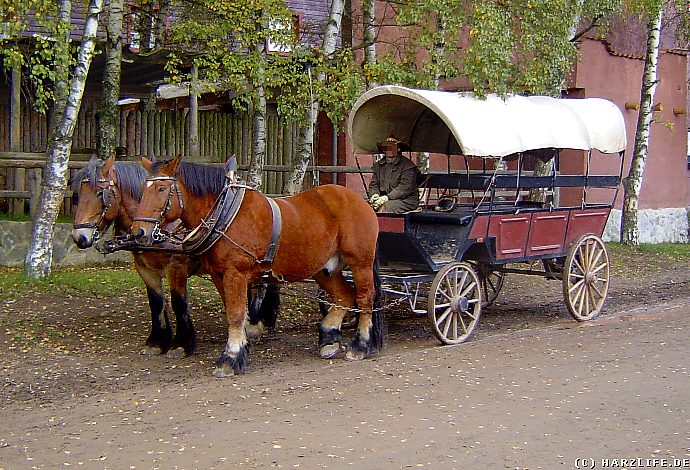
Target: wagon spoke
{"type": "Point", "coordinates": [455, 325]}
{"type": "Point", "coordinates": [596, 289]}
{"type": "Point", "coordinates": [469, 288]}
{"type": "Point", "coordinates": [462, 322]}
{"type": "Point", "coordinates": [577, 264]}
{"type": "Point", "coordinates": [443, 293]}
{"type": "Point", "coordinates": [446, 327]}
{"type": "Point", "coordinates": [577, 284]}
{"type": "Point", "coordinates": [575, 298]}
{"type": "Point", "coordinates": [591, 251]}
{"type": "Point", "coordinates": [443, 316]}
{"type": "Point", "coordinates": [596, 259]}
{"type": "Point", "coordinates": [599, 268]}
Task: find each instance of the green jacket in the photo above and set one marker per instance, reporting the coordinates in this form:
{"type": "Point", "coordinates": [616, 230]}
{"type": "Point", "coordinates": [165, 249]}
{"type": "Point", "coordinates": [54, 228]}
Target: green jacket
{"type": "Point", "coordinates": [398, 181]}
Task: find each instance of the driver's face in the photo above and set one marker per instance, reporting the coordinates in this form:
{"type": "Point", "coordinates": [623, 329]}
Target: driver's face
{"type": "Point", "coordinates": [390, 150]}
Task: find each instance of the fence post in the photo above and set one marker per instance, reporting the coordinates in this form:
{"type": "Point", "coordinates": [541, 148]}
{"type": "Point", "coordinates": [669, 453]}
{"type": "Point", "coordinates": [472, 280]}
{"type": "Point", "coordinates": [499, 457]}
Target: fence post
{"type": "Point", "coordinates": [16, 135]}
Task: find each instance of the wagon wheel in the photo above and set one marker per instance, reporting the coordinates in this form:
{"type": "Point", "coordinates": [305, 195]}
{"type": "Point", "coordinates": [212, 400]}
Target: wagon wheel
{"type": "Point", "coordinates": [454, 305]}
{"type": "Point", "coordinates": [586, 277]}
{"type": "Point", "coordinates": [491, 282]}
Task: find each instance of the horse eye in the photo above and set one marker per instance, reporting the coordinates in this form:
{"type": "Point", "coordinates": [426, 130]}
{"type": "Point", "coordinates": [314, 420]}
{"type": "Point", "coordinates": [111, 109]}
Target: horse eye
{"type": "Point", "coordinates": [161, 189]}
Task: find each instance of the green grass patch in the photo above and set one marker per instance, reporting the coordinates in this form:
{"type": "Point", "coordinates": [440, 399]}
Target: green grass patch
{"type": "Point", "coordinates": [631, 261]}
{"type": "Point", "coordinates": [88, 281]}
{"type": "Point", "coordinates": [62, 219]}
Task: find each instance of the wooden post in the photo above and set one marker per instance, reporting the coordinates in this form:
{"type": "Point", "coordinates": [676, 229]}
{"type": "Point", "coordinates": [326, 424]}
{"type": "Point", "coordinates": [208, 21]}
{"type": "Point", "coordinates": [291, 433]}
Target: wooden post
{"type": "Point", "coordinates": [16, 135]}
{"type": "Point", "coordinates": [194, 114]}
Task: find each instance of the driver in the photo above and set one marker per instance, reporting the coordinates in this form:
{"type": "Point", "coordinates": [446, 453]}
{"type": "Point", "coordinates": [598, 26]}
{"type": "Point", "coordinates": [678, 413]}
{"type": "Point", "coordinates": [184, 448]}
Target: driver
{"type": "Point", "coordinates": [394, 185]}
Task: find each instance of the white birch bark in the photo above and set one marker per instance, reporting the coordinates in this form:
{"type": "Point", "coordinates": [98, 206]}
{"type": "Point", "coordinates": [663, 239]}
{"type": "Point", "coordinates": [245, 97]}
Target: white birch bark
{"type": "Point", "coordinates": [194, 113]}
{"type": "Point", "coordinates": [306, 140]}
{"type": "Point", "coordinates": [256, 165]}
{"type": "Point", "coordinates": [61, 85]}
{"type": "Point", "coordinates": [255, 174]}
{"type": "Point", "coordinates": [109, 112]}
{"type": "Point", "coordinates": [369, 34]}
{"type": "Point", "coordinates": [37, 262]}
{"type": "Point", "coordinates": [630, 234]}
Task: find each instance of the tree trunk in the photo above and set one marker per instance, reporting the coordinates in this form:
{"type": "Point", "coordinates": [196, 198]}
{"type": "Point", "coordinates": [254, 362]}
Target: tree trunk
{"type": "Point", "coordinates": [109, 114]}
{"type": "Point", "coordinates": [369, 35]}
{"type": "Point", "coordinates": [62, 54]}
{"type": "Point", "coordinates": [305, 148]}
{"type": "Point", "coordinates": [16, 133]}
{"type": "Point", "coordinates": [37, 262]}
{"type": "Point", "coordinates": [633, 182]}
{"type": "Point", "coordinates": [255, 174]}
{"type": "Point", "coordinates": [256, 165]}
{"type": "Point", "coordinates": [194, 113]}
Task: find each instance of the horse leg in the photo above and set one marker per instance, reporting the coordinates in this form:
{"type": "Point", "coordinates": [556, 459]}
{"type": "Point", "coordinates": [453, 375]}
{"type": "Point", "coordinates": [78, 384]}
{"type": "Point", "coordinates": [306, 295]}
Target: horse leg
{"type": "Point", "coordinates": [184, 341]}
{"type": "Point", "coordinates": [264, 305]}
{"type": "Point", "coordinates": [341, 293]}
{"type": "Point", "coordinates": [160, 337]}
{"type": "Point", "coordinates": [370, 328]}
{"type": "Point", "coordinates": [234, 358]}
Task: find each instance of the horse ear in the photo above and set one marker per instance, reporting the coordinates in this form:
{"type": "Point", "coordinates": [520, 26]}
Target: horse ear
{"type": "Point", "coordinates": [108, 165]}
{"type": "Point", "coordinates": [173, 165]}
{"type": "Point", "coordinates": [93, 158]}
{"type": "Point", "coordinates": [146, 163]}
{"type": "Point", "coordinates": [231, 168]}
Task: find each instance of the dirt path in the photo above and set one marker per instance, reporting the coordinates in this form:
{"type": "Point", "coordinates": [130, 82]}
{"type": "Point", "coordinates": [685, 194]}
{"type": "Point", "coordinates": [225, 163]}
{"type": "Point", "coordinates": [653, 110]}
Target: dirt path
{"type": "Point", "coordinates": [532, 389]}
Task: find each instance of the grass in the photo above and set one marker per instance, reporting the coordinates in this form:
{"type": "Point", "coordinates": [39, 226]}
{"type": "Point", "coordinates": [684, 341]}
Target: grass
{"type": "Point", "coordinates": [86, 281]}
{"type": "Point", "coordinates": [62, 219]}
{"type": "Point", "coordinates": [103, 281]}
{"type": "Point", "coordinates": [629, 261]}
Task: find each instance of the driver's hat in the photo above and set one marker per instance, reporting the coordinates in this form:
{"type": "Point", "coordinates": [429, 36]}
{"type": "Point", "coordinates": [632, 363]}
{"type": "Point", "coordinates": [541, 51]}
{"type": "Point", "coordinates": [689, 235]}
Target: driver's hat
{"type": "Point", "coordinates": [392, 142]}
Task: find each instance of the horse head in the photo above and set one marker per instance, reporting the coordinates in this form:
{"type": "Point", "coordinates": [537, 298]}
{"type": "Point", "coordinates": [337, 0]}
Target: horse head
{"type": "Point", "coordinates": [98, 200]}
{"type": "Point", "coordinates": [161, 200]}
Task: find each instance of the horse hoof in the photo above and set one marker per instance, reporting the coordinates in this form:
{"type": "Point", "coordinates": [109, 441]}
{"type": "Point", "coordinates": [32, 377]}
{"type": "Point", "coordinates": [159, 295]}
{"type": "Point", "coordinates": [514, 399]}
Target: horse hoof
{"type": "Point", "coordinates": [352, 355]}
{"type": "Point", "coordinates": [254, 332]}
{"type": "Point", "coordinates": [177, 353]}
{"type": "Point", "coordinates": [329, 351]}
{"type": "Point", "coordinates": [151, 351]}
{"type": "Point", "coordinates": [224, 370]}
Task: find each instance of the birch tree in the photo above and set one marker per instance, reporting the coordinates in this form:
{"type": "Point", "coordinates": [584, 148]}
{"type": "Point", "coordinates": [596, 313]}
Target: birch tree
{"type": "Point", "coordinates": [109, 113]}
{"type": "Point", "coordinates": [306, 138]}
{"type": "Point", "coordinates": [37, 263]}
{"type": "Point", "coordinates": [228, 43]}
{"type": "Point", "coordinates": [632, 183]}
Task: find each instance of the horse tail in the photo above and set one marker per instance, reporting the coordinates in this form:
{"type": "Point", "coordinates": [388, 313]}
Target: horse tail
{"type": "Point", "coordinates": [378, 319]}
{"type": "Point", "coordinates": [264, 306]}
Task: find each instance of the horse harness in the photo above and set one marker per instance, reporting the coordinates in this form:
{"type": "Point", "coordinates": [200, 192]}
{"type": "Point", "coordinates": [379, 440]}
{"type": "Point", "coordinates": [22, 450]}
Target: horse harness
{"type": "Point", "coordinates": [157, 234]}
{"type": "Point", "coordinates": [107, 194]}
{"type": "Point", "coordinates": [216, 223]}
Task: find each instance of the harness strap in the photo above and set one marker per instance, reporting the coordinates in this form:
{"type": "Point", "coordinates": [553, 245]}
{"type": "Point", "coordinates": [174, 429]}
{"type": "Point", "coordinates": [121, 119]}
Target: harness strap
{"type": "Point", "coordinates": [217, 221]}
{"type": "Point", "coordinates": [275, 234]}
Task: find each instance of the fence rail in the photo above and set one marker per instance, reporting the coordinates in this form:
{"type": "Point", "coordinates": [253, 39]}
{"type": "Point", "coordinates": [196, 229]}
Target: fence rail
{"type": "Point", "coordinates": [30, 165]}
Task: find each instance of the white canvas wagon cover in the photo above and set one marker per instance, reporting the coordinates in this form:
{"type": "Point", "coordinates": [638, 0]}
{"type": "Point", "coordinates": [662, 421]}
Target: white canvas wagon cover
{"type": "Point", "coordinates": [460, 123]}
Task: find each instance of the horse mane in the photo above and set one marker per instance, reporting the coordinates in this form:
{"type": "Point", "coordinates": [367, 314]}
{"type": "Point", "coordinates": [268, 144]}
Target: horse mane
{"type": "Point", "coordinates": [130, 177]}
{"type": "Point", "coordinates": [199, 179]}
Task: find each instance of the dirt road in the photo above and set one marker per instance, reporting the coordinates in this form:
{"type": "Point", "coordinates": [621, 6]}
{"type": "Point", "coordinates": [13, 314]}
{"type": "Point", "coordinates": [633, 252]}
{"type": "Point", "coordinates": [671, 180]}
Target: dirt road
{"type": "Point", "coordinates": [539, 397]}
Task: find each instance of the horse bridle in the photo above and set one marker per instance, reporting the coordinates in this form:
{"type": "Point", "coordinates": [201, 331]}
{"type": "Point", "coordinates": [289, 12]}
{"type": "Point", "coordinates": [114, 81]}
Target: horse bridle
{"type": "Point", "coordinates": [157, 234]}
{"type": "Point", "coordinates": [107, 194]}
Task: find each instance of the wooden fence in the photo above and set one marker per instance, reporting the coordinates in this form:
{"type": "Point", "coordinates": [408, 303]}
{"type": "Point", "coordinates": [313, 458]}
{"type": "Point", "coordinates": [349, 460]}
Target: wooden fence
{"type": "Point", "coordinates": [159, 133]}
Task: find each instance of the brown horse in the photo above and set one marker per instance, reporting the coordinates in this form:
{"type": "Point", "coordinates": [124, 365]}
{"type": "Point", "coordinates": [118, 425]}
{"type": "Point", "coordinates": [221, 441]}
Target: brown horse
{"type": "Point", "coordinates": [321, 231]}
{"type": "Point", "coordinates": [109, 192]}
